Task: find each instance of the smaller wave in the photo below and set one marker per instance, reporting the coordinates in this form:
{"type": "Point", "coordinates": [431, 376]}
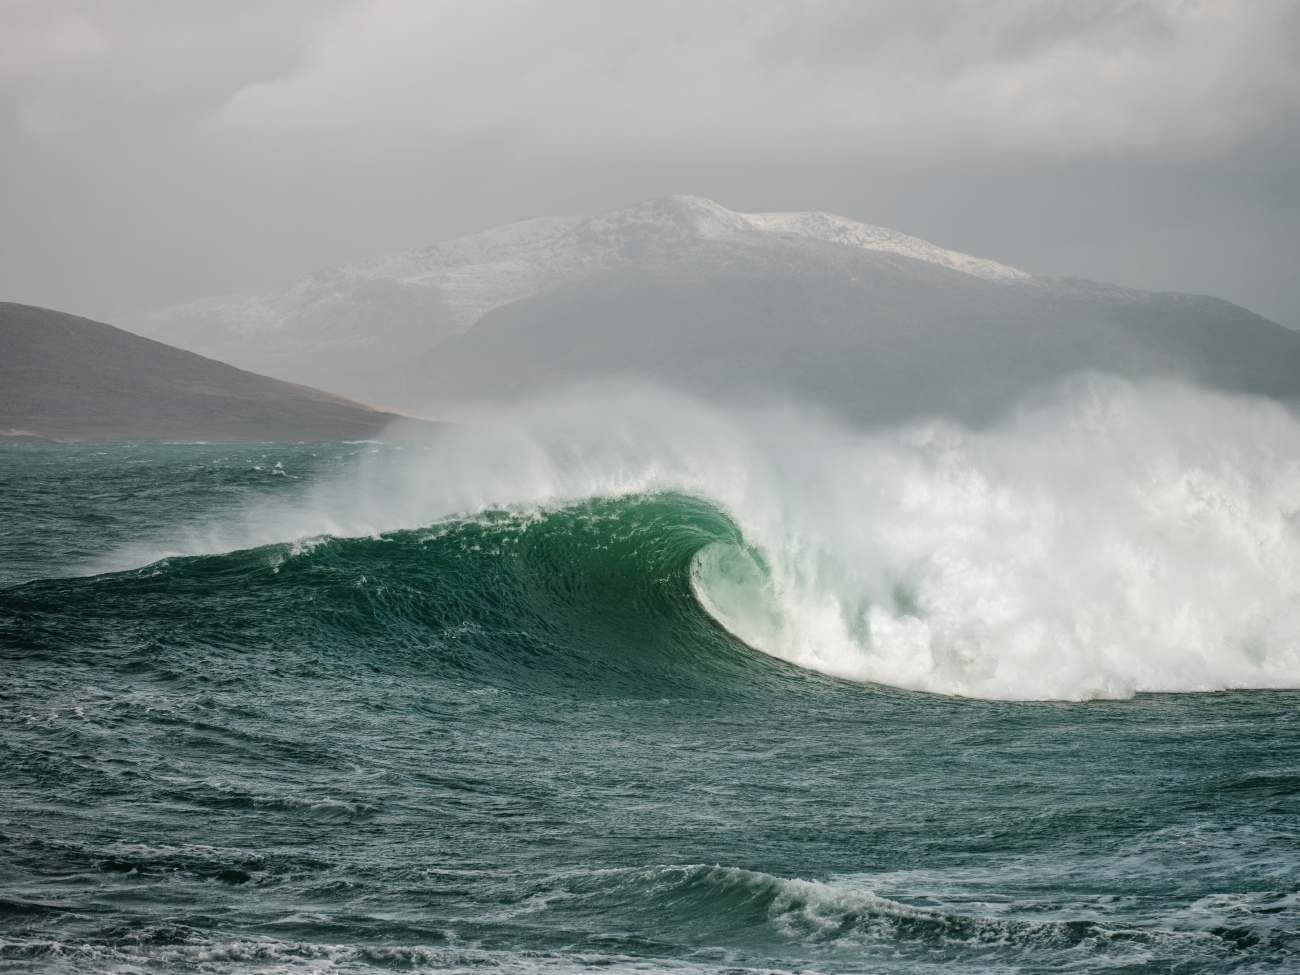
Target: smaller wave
{"type": "Point", "coordinates": [707, 919]}
{"type": "Point", "coordinates": [723, 906]}
{"type": "Point", "coordinates": [323, 809]}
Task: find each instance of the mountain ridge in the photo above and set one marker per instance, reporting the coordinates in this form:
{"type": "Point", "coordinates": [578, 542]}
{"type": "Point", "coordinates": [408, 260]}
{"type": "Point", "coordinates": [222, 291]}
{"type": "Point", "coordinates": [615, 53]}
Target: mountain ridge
{"type": "Point", "coordinates": [65, 378]}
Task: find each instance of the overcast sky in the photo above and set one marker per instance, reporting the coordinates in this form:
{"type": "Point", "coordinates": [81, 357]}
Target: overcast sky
{"type": "Point", "coordinates": [155, 150]}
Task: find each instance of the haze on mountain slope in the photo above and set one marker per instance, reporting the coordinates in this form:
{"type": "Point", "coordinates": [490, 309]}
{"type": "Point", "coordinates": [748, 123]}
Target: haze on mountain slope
{"type": "Point", "coordinates": [346, 327]}
{"type": "Point", "coordinates": [874, 325]}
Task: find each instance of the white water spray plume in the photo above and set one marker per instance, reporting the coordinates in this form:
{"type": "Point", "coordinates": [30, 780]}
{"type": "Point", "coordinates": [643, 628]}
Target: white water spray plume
{"type": "Point", "coordinates": [1112, 540]}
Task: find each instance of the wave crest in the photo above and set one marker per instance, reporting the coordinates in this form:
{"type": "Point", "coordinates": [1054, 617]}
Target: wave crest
{"type": "Point", "coordinates": [1115, 540]}
{"type": "Point", "coordinates": [1124, 543]}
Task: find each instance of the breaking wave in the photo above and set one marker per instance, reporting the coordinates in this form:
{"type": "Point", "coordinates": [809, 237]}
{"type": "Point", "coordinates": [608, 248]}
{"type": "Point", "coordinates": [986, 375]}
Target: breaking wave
{"type": "Point", "coordinates": [1113, 540]}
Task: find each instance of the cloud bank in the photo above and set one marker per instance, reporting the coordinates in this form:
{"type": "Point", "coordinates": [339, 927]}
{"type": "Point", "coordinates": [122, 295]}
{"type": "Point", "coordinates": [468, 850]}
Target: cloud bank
{"type": "Point", "coordinates": [677, 78]}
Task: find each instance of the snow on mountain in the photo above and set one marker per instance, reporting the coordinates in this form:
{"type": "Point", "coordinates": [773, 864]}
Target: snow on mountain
{"type": "Point", "coordinates": [841, 230]}
{"type": "Point", "coordinates": [324, 327]}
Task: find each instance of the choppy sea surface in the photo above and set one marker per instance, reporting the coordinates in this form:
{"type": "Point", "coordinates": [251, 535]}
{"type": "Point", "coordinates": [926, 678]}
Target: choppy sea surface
{"type": "Point", "coordinates": [560, 701]}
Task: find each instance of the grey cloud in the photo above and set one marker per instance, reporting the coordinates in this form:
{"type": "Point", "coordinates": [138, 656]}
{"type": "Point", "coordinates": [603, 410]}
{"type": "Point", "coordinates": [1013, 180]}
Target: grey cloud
{"type": "Point", "coordinates": [685, 79]}
{"type": "Point", "coordinates": [76, 70]}
{"type": "Point", "coordinates": [816, 79]}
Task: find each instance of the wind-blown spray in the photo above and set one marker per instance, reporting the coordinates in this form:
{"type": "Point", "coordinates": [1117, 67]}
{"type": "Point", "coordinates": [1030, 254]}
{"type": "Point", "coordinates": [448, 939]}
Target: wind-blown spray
{"type": "Point", "coordinates": [1111, 540]}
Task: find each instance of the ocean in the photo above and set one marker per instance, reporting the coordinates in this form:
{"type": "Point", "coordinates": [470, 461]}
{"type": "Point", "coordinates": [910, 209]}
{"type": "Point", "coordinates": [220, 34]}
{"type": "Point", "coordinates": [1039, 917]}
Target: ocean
{"type": "Point", "coordinates": [639, 686]}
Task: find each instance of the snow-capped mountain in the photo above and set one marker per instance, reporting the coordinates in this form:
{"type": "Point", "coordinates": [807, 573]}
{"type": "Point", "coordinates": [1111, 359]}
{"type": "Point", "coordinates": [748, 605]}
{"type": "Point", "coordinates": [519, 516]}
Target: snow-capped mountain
{"type": "Point", "coordinates": [345, 327]}
{"type": "Point", "coordinates": [872, 325]}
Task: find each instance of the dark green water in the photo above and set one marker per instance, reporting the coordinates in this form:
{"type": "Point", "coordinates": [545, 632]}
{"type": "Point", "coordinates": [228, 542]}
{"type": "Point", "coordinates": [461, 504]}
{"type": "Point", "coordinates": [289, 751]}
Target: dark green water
{"type": "Point", "coordinates": [516, 742]}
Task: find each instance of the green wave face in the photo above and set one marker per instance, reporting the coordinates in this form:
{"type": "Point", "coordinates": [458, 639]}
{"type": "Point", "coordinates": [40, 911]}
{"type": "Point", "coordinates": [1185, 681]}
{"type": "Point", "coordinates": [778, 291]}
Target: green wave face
{"type": "Point", "coordinates": [597, 596]}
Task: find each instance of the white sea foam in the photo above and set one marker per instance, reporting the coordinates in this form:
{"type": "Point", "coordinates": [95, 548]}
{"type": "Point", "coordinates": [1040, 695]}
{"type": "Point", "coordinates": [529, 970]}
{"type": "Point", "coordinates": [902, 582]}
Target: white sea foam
{"type": "Point", "coordinates": [1121, 541]}
{"type": "Point", "coordinates": [1114, 540]}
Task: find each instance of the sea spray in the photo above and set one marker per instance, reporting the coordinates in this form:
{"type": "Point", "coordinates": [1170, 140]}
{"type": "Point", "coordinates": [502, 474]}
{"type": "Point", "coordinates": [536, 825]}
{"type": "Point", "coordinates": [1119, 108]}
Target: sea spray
{"type": "Point", "coordinates": [1122, 540]}
{"type": "Point", "coordinates": [1109, 540]}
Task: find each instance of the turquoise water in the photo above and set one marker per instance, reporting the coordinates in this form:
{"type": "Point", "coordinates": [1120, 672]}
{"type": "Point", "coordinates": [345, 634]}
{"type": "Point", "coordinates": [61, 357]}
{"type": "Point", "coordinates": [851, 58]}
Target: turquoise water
{"type": "Point", "coordinates": [516, 739]}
